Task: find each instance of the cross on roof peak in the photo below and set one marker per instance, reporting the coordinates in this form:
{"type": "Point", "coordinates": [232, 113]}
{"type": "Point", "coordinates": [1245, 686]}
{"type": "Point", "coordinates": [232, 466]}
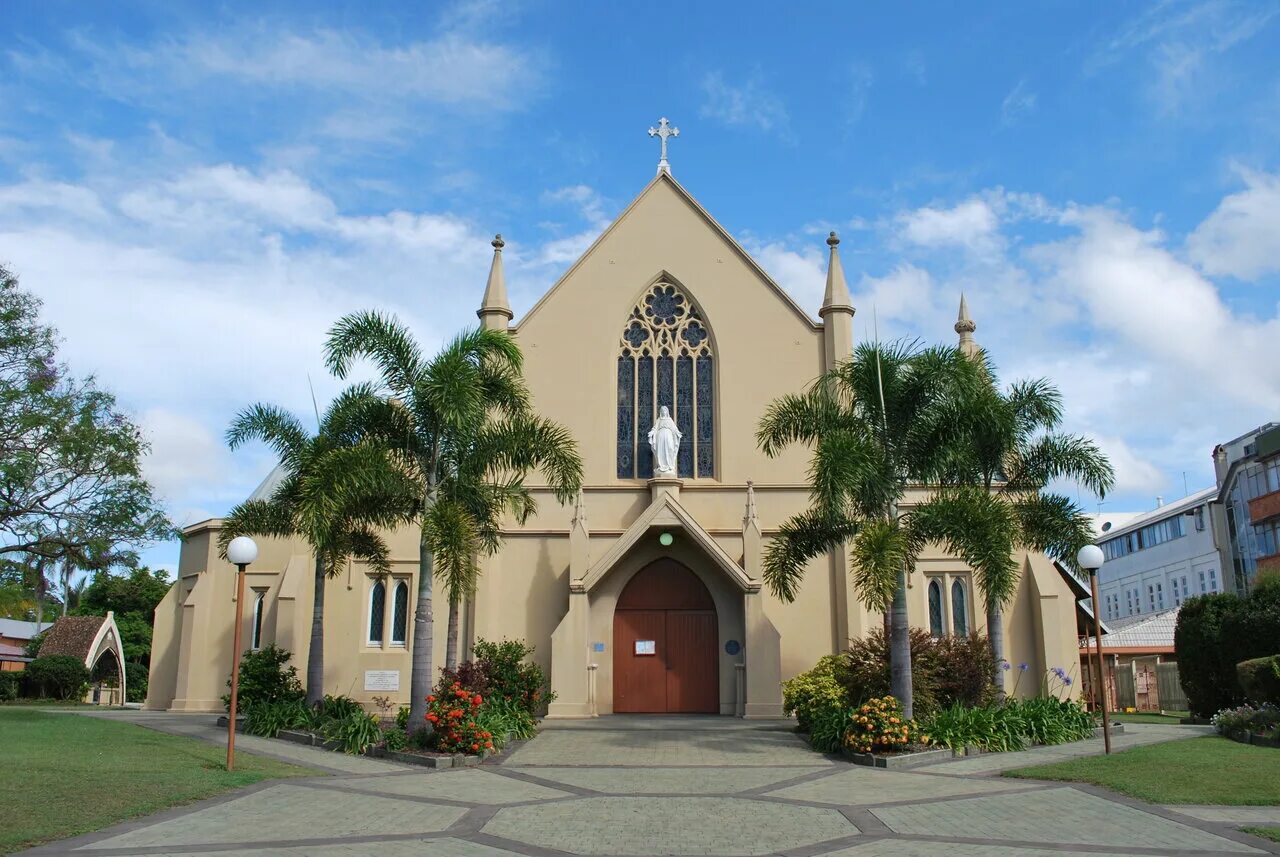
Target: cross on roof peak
{"type": "Point", "coordinates": [663, 131]}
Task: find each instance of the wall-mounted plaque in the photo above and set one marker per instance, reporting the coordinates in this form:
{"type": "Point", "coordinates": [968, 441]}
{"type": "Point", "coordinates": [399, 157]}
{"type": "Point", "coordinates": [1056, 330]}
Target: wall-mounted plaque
{"type": "Point", "coordinates": [646, 647]}
{"type": "Point", "coordinates": [732, 647]}
{"type": "Point", "coordinates": [597, 647]}
{"type": "Point", "coordinates": [382, 679]}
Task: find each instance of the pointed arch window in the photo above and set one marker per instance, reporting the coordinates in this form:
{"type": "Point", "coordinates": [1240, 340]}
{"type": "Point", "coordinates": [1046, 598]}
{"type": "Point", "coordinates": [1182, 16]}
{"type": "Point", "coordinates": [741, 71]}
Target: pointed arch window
{"type": "Point", "coordinates": [377, 612]}
{"type": "Point", "coordinates": [935, 609]}
{"type": "Point", "coordinates": [665, 359]}
{"type": "Point", "coordinates": [259, 607]}
{"type": "Point", "coordinates": [959, 609]}
{"type": "Point", "coordinates": [400, 614]}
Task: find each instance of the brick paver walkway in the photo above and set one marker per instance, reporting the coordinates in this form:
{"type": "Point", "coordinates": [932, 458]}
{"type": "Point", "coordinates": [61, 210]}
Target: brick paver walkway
{"type": "Point", "coordinates": [671, 786]}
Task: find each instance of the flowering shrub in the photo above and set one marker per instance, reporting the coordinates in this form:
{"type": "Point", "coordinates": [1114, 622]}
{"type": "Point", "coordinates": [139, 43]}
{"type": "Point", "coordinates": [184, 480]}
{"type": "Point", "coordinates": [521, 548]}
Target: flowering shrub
{"type": "Point", "coordinates": [452, 712]}
{"type": "Point", "coordinates": [1259, 720]}
{"type": "Point", "coordinates": [879, 725]}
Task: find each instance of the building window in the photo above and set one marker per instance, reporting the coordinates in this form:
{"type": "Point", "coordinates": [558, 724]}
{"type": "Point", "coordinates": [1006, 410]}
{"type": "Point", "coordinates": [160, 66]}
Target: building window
{"type": "Point", "coordinates": [259, 607]}
{"type": "Point", "coordinates": [400, 614]}
{"type": "Point", "coordinates": [935, 608]}
{"type": "Point", "coordinates": [377, 612]}
{"type": "Point", "coordinates": [959, 609]}
{"type": "Point", "coordinates": [1151, 596]}
{"type": "Point", "coordinates": [1213, 580]}
{"type": "Point", "coordinates": [666, 360]}
{"type": "Point", "coordinates": [1199, 518]}
{"type": "Point", "coordinates": [1202, 589]}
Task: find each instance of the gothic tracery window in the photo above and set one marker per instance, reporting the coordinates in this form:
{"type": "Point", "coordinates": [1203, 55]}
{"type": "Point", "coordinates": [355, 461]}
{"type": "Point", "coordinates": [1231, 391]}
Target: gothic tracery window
{"type": "Point", "coordinates": [665, 360]}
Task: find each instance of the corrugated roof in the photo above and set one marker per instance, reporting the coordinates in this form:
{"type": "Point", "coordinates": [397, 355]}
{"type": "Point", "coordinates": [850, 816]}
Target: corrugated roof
{"type": "Point", "coordinates": [1161, 512]}
{"type": "Point", "coordinates": [1149, 632]}
{"type": "Point", "coordinates": [19, 630]}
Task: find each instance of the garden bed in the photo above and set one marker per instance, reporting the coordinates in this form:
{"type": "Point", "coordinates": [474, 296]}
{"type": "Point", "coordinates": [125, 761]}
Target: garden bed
{"type": "Point", "coordinates": [1243, 736]}
{"type": "Point", "coordinates": [907, 759]}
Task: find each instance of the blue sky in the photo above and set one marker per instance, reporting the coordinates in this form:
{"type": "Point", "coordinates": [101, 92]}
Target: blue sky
{"type": "Point", "coordinates": [198, 191]}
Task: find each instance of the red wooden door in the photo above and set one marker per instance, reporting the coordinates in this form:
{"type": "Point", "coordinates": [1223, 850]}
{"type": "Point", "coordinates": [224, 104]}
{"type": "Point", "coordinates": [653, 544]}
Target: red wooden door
{"type": "Point", "coordinates": [667, 610]}
{"type": "Point", "coordinates": [639, 687]}
{"type": "Point", "coordinates": [692, 678]}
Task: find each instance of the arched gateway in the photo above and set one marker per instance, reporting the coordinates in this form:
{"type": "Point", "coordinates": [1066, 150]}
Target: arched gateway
{"type": "Point", "coordinates": [665, 644]}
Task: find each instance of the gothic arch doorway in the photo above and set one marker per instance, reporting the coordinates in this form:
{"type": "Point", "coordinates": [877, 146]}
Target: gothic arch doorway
{"type": "Point", "coordinates": [665, 644]}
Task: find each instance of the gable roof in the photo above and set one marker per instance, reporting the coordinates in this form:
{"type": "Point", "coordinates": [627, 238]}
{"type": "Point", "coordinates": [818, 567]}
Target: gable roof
{"type": "Point", "coordinates": [72, 635]}
{"type": "Point", "coordinates": [19, 630]}
{"type": "Point", "coordinates": [711, 221]}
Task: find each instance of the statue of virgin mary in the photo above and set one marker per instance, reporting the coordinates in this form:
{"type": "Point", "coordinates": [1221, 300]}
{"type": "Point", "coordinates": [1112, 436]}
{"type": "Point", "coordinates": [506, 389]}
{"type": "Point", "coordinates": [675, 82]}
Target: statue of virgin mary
{"type": "Point", "coordinates": [664, 440]}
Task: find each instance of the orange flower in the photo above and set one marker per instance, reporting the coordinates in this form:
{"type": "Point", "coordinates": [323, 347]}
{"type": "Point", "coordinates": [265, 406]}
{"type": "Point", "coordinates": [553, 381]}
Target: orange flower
{"type": "Point", "coordinates": [476, 700]}
{"type": "Point", "coordinates": [431, 698]}
{"type": "Point", "coordinates": [475, 746]}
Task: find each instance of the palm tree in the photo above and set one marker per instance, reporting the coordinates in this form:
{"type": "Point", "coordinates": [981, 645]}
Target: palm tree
{"type": "Point", "coordinates": [339, 487]}
{"type": "Point", "coordinates": [875, 423]}
{"type": "Point", "coordinates": [466, 432]}
{"type": "Point", "coordinates": [994, 498]}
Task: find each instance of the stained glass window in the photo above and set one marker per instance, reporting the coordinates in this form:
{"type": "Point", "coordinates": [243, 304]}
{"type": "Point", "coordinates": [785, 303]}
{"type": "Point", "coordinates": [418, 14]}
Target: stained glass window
{"type": "Point", "coordinates": [935, 608]}
{"type": "Point", "coordinates": [959, 609]}
{"type": "Point", "coordinates": [666, 360]}
{"type": "Point", "coordinates": [377, 612]}
{"type": "Point", "coordinates": [684, 413]}
{"type": "Point", "coordinates": [400, 614]}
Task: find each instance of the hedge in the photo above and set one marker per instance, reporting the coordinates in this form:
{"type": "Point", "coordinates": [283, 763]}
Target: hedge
{"type": "Point", "coordinates": [1215, 633]}
{"type": "Point", "coordinates": [1260, 679]}
{"type": "Point", "coordinates": [57, 677]}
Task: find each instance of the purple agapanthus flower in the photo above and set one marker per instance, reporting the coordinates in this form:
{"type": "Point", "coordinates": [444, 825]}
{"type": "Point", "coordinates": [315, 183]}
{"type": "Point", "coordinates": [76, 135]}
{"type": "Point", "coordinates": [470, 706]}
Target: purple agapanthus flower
{"type": "Point", "coordinates": [1022, 668]}
{"type": "Point", "coordinates": [1066, 679]}
{"type": "Point", "coordinates": [1006, 666]}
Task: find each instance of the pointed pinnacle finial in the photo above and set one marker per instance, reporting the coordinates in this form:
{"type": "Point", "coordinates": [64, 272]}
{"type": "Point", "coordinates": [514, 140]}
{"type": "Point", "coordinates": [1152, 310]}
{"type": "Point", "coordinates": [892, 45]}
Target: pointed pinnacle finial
{"type": "Point", "coordinates": [837, 294]}
{"type": "Point", "coordinates": [750, 518]}
{"type": "Point", "coordinates": [965, 326]}
{"type": "Point", "coordinates": [494, 310]}
{"type": "Point", "coordinates": [580, 510]}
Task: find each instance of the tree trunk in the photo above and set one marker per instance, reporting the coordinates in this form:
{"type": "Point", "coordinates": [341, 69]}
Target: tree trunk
{"type": "Point", "coordinates": [66, 586]}
{"type": "Point", "coordinates": [315, 650]}
{"type": "Point", "coordinates": [995, 634]}
{"type": "Point", "coordinates": [451, 644]}
{"type": "Point", "coordinates": [423, 628]}
{"type": "Point", "coordinates": [900, 648]}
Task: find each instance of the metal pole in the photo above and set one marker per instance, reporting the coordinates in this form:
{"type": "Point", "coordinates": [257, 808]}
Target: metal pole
{"type": "Point", "coordinates": [235, 669]}
{"type": "Point", "coordinates": [1102, 673]}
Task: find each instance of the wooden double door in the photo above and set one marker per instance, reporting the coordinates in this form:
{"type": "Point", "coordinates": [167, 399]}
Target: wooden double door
{"type": "Point", "coordinates": [665, 644]}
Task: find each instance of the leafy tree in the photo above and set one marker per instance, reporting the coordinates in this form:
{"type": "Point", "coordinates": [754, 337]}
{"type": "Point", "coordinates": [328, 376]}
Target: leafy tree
{"type": "Point", "coordinates": [339, 488]}
{"type": "Point", "coordinates": [71, 487]}
{"type": "Point", "coordinates": [993, 498]}
{"type": "Point", "coordinates": [467, 434]}
{"type": "Point", "coordinates": [133, 597]}
{"type": "Point", "coordinates": [875, 424]}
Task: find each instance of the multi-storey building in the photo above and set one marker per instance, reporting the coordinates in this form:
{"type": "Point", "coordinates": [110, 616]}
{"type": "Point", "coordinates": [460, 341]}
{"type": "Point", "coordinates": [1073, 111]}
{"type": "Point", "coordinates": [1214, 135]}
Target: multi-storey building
{"type": "Point", "coordinates": [1248, 470]}
{"type": "Point", "coordinates": [1158, 559]}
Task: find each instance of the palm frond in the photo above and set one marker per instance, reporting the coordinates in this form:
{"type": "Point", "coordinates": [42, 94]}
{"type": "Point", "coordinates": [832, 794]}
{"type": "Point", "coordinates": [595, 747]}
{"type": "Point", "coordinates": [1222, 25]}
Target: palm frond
{"type": "Point", "coordinates": [800, 539]}
{"type": "Point", "coordinates": [381, 338]}
{"type": "Point", "coordinates": [880, 549]}
{"type": "Point", "coordinates": [449, 532]}
{"type": "Point", "coordinates": [269, 518]}
{"type": "Point", "coordinates": [274, 426]}
{"type": "Point", "coordinates": [1055, 525]}
{"type": "Point", "coordinates": [1063, 456]}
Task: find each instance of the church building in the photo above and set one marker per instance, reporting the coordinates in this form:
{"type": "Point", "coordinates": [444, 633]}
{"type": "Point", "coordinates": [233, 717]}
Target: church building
{"type": "Point", "coordinates": [646, 595]}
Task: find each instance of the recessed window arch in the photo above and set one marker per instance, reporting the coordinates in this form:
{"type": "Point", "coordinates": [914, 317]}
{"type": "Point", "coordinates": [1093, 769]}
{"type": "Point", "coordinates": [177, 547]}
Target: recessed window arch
{"type": "Point", "coordinates": [666, 359]}
{"type": "Point", "coordinates": [959, 608]}
{"type": "Point", "coordinates": [377, 612]}
{"type": "Point", "coordinates": [400, 613]}
{"type": "Point", "coordinates": [935, 608]}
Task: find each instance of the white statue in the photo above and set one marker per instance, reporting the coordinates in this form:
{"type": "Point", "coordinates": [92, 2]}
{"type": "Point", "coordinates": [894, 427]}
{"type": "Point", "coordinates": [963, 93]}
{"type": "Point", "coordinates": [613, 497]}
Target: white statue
{"type": "Point", "coordinates": [664, 440]}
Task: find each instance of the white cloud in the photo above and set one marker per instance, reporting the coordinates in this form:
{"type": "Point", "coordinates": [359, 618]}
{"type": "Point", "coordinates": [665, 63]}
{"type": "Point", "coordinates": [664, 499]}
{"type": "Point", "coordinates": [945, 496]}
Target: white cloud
{"type": "Point", "coordinates": [1241, 238]}
{"type": "Point", "coordinates": [748, 104]}
{"type": "Point", "coordinates": [860, 79]}
{"type": "Point", "coordinates": [972, 223]}
{"type": "Point", "coordinates": [1018, 103]}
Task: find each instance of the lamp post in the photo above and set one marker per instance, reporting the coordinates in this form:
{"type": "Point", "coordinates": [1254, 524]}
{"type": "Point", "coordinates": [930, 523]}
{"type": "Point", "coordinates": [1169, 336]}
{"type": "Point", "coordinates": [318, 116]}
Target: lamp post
{"type": "Point", "coordinates": [1090, 558]}
{"type": "Point", "coordinates": [242, 551]}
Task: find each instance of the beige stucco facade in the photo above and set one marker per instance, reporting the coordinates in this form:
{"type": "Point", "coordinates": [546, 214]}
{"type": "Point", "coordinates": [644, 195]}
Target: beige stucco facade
{"type": "Point", "coordinates": [557, 579]}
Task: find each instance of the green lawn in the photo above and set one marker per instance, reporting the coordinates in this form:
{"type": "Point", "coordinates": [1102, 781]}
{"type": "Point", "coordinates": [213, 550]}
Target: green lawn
{"type": "Point", "coordinates": [65, 774]}
{"type": "Point", "coordinates": [1209, 770]}
{"type": "Point", "coordinates": [1149, 717]}
{"type": "Point", "coordinates": [1272, 833]}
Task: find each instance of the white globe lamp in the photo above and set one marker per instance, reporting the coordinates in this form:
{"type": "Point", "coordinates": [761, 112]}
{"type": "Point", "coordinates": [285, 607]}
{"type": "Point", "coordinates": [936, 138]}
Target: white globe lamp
{"type": "Point", "coordinates": [242, 550]}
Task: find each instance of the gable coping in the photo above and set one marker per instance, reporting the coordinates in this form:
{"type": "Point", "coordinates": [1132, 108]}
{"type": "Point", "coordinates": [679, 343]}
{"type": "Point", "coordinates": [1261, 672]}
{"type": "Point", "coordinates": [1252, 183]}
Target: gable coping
{"type": "Point", "coordinates": [715, 225]}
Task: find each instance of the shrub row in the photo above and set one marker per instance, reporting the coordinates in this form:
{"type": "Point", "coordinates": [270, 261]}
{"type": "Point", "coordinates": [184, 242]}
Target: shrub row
{"type": "Point", "coordinates": [1263, 720]}
{"type": "Point", "coordinates": [1010, 725]}
{"type": "Point", "coordinates": [1215, 633]}
{"type": "Point", "coordinates": [944, 671]}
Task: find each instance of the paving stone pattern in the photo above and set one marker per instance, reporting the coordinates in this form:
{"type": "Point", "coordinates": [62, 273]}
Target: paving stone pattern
{"type": "Point", "coordinates": [679, 786]}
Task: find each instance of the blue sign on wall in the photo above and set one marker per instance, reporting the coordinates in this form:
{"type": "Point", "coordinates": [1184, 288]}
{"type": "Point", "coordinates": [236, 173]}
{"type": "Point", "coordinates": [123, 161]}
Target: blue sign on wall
{"type": "Point", "coordinates": [732, 647]}
{"type": "Point", "coordinates": [597, 647]}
